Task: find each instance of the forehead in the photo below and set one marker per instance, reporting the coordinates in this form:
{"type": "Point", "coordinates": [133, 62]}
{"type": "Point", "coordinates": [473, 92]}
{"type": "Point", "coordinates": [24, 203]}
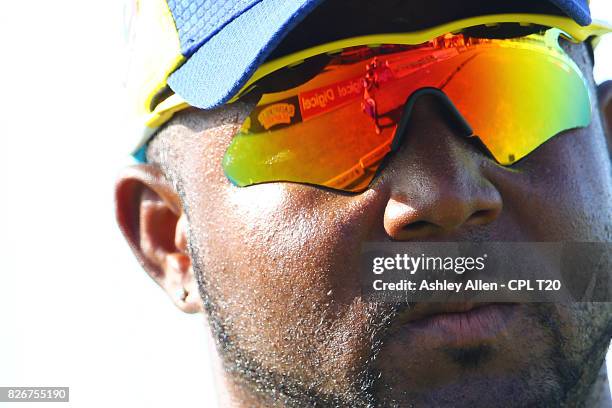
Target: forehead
{"type": "Point", "coordinates": [337, 19]}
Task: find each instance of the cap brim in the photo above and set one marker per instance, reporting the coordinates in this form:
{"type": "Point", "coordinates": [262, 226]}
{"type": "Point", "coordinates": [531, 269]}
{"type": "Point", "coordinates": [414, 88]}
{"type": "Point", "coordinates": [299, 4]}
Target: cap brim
{"type": "Point", "coordinates": [576, 9]}
{"type": "Point", "coordinates": [221, 66]}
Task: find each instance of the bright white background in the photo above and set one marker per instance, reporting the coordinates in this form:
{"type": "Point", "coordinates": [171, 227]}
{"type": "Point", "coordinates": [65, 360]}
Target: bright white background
{"type": "Point", "coordinates": [75, 308]}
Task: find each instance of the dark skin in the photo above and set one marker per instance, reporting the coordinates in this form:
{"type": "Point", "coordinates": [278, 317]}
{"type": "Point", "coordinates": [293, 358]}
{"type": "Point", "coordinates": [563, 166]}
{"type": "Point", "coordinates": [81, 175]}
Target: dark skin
{"type": "Point", "coordinates": [274, 266]}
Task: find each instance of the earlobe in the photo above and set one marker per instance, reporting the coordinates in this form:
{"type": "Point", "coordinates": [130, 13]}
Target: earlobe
{"type": "Point", "coordinates": [149, 214]}
{"type": "Point", "coordinates": [183, 288]}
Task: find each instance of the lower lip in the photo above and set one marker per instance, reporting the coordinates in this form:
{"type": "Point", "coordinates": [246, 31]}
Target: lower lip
{"type": "Point", "coordinates": [476, 326]}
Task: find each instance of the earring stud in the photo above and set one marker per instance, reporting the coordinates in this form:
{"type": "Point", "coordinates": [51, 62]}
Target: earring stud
{"type": "Point", "coordinates": [182, 294]}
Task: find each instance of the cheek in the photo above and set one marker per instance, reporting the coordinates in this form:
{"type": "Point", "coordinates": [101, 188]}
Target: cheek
{"type": "Point", "coordinates": [283, 239]}
{"type": "Point", "coordinates": [280, 262]}
{"type": "Point", "coordinates": [303, 237]}
{"type": "Point", "coordinates": [291, 246]}
{"type": "Point", "coordinates": [586, 329]}
{"type": "Point", "coordinates": [563, 190]}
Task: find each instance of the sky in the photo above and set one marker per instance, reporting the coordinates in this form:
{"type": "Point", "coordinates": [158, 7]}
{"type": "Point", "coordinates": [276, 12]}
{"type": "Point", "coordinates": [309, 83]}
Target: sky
{"type": "Point", "coordinates": [76, 309]}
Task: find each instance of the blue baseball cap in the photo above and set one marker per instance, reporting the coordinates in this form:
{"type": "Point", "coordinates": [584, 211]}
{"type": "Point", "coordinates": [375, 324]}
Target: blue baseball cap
{"type": "Point", "coordinates": [225, 41]}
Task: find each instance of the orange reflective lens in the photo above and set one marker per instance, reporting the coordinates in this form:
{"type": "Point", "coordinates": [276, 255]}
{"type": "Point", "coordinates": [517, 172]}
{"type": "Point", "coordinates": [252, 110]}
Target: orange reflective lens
{"type": "Point", "coordinates": [335, 127]}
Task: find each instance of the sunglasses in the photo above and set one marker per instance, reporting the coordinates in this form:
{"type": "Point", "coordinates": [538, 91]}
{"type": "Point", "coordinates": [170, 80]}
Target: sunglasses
{"type": "Point", "coordinates": [333, 115]}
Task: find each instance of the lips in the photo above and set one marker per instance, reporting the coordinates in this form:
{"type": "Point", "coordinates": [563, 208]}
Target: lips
{"type": "Point", "coordinates": [458, 324]}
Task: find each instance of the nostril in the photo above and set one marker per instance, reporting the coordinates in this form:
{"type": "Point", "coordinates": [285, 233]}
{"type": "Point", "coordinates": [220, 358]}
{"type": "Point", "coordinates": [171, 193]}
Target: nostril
{"type": "Point", "coordinates": [481, 217]}
{"type": "Point", "coordinates": [420, 229]}
{"type": "Point", "coordinates": [417, 225]}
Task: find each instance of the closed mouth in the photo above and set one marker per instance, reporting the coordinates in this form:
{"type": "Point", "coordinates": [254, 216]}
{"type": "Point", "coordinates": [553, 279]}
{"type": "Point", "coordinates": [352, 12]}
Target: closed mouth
{"type": "Point", "coordinates": [455, 323]}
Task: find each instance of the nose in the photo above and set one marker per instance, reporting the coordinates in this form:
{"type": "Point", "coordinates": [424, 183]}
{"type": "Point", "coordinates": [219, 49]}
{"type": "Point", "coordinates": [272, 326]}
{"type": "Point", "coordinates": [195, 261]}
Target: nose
{"type": "Point", "coordinates": [435, 180]}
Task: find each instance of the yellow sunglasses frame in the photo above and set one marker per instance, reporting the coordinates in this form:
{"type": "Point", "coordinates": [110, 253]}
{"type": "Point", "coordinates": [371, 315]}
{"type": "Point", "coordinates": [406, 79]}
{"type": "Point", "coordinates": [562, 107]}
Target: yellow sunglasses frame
{"type": "Point", "coordinates": [569, 28]}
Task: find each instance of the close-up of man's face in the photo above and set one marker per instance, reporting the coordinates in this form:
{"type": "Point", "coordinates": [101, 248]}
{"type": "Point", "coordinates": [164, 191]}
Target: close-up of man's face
{"type": "Point", "coordinates": [274, 266]}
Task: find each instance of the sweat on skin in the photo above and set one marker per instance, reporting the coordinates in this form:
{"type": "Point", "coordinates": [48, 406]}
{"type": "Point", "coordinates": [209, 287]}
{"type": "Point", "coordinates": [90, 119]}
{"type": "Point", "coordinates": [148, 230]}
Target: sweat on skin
{"type": "Point", "coordinates": [273, 266]}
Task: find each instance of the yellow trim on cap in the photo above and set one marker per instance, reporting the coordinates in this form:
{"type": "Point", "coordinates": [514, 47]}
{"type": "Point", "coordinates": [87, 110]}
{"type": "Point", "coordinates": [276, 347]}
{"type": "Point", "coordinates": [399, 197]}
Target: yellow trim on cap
{"type": "Point", "coordinates": [156, 52]}
{"type": "Point", "coordinates": [575, 32]}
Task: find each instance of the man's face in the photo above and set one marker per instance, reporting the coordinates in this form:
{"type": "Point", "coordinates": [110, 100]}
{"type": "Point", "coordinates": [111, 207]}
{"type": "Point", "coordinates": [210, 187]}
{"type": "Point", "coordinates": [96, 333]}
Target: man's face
{"type": "Point", "coordinates": [278, 267]}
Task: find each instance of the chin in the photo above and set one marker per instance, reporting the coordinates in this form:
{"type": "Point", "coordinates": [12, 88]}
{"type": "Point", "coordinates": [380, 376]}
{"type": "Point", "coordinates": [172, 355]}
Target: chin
{"type": "Point", "coordinates": [494, 355]}
{"type": "Point", "coordinates": [484, 390]}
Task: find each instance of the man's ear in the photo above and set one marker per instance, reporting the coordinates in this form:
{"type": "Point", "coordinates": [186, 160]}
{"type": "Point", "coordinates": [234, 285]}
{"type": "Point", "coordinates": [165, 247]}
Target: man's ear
{"type": "Point", "coordinates": [150, 215]}
{"type": "Point", "coordinates": [604, 95]}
